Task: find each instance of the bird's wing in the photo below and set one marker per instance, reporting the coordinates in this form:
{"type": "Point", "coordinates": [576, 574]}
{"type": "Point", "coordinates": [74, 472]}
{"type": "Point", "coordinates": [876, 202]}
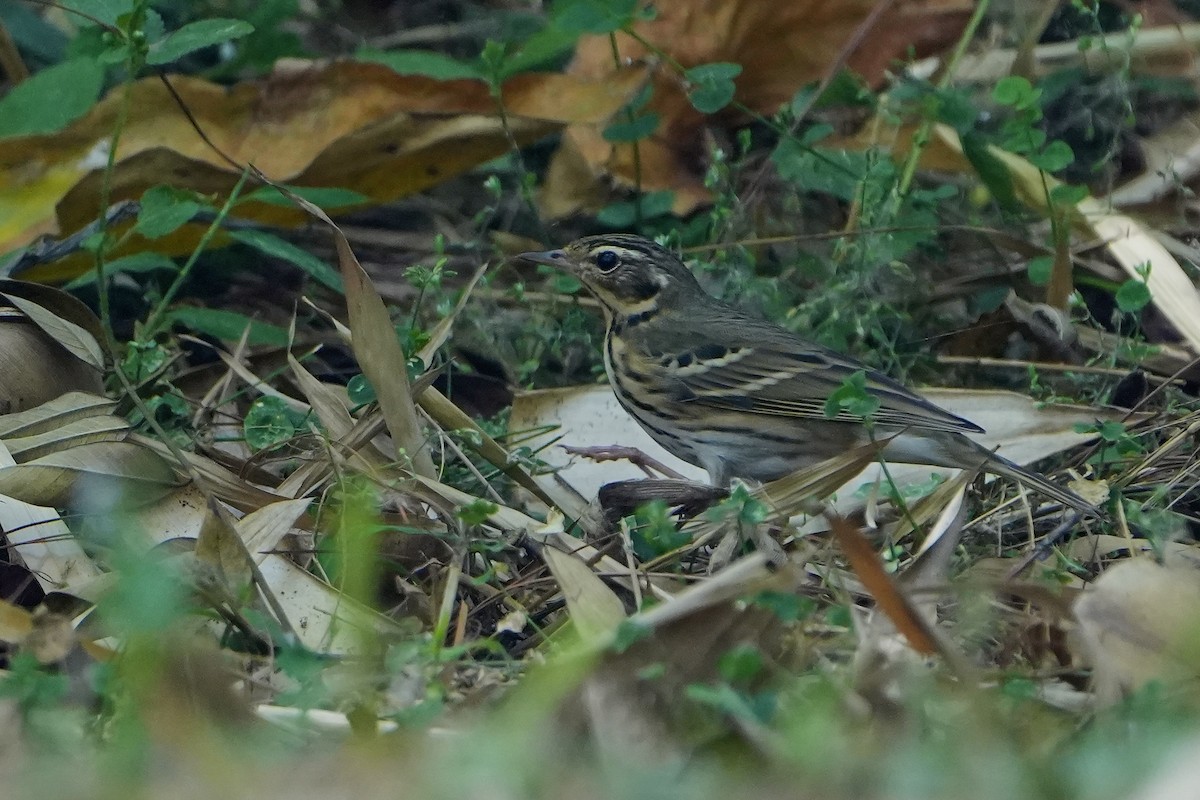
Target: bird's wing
{"type": "Point", "coordinates": [765, 369]}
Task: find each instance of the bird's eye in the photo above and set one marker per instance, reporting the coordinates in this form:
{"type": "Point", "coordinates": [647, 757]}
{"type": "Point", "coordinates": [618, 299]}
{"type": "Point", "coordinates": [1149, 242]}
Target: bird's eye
{"type": "Point", "coordinates": [607, 261]}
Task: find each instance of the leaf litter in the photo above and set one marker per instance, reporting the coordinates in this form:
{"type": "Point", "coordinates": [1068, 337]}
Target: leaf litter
{"type": "Point", "coordinates": [777, 637]}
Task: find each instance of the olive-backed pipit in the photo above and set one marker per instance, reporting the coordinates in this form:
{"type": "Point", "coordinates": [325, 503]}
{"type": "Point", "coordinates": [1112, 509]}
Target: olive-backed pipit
{"type": "Point", "coordinates": [741, 397]}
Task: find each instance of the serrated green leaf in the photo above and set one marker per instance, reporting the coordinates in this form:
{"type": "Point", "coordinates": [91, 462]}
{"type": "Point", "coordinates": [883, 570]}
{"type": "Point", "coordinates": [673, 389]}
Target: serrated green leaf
{"type": "Point", "coordinates": [194, 36]}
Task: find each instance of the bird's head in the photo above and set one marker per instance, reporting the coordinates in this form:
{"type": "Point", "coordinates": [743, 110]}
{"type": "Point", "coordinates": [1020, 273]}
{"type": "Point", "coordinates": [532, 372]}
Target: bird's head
{"type": "Point", "coordinates": [627, 274]}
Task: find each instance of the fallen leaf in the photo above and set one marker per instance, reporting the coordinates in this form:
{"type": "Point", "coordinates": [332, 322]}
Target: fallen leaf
{"type": "Point", "coordinates": [349, 125]}
{"type": "Point", "coordinates": [139, 474]}
{"type": "Point", "coordinates": [806, 36]}
{"type": "Point", "coordinates": [1137, 624]}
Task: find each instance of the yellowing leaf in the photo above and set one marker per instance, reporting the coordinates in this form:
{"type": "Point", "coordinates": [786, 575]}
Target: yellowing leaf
{"type": "Point", "coordinates": [348, 125]}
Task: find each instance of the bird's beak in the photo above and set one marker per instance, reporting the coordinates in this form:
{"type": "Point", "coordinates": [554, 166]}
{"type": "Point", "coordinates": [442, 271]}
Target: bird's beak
{"type": "Point", "coordinates": [551, 258]}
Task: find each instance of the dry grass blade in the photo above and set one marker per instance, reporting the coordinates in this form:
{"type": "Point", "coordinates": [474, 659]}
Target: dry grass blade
{"type": "Point", "coordinates": [795, 493]}
{"type": "Point", "coordinates": [261, 530]}
{"type": "Point", "coordinates": [595, 610]}
{"type": "Point", "coordinates": [38, 538]}
{"type": "Point", "coordinates": [1129, 243]}
{"type": "Point", "coordinates": [377, 349]}
{"type": "Point", "coordinates": [215, 479]}
{"type": "Point", "coordinates": [451, 417]}
{"type": "Point", "coordinates": [511, 520]}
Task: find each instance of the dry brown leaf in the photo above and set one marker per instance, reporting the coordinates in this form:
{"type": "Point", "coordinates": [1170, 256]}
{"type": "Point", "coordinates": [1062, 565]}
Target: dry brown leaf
{"type": "Point", "coordinates": [221, 549]}
{"type": "Point", "coordinates": [64, 317]}
{"type": "Point", "coordinates": [349, 125]}
{"type": "Point", "coordinates": [1137, 623]}
{"type": "Point", "coordinates": [138, 473]}
{"type": "Point", "coordinates": [780, 47]}
{"type": "Point", "coordinates": [107, 428]}
{"type": "Point", "coordinates": [36, 368]}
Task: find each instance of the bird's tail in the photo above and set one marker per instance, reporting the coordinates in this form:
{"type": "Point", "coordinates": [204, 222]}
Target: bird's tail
{"type": "Point", "coordinates": [957, 450]}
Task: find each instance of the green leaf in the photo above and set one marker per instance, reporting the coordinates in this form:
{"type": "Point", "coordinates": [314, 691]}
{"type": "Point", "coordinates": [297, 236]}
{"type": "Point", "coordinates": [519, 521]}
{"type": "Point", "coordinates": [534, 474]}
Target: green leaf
{"type": "Point", "coordinates": [816, 133]}
{"type": "Point", "coordinates": [272, 245]}
{"type": "Point", "coordinates": [655, 532]}
{"type": "Point", "coordinates": [820, 169]}
{"type": "Point", "coordinates": [229, 325]}
{"type": "Point", "coordinates": [1056, 156]}
{"type": "Point", "coordinates": [146, 261]}
{"type": "Point", "coordinates": [632, 131]}
{"type": "Point", "coordinates": [429, 63]}
{"type": "Point", "coordinates": [710, 73]}
{"type": "Point", "coordinates": [712, 86]}
{"type": "Point", "coordinates": [786, 606]}
{"type": "Point", "coordinates": [194, 36]}
{"type": "Point", "coordinates": [852, 397]}
{"type": "Point", "coordinates": [476, 512]}
{"type": "Point", "coordinates": [164, 209]}
{"type": "Point", "coordinates": [51, 99]}
{"type": "Point", "coordinates": [1066, 194]}
{"type": "Point", "coordinates": [37, 38]}
{"type": "Point", "coordinates": [108, 12]}
{"type": "Point", "coordinates": [593, 16]}
{"type": "Point", "coordinates": [741, 663]}
{"type": "Point", "coordinates": [1016, 92]}
{"type": "Point", "coordinates": [551, 44]}
{"type": "Point", "coordinates": [326, 197]}
{"type": "Point", "coordinates": [1133, 296]}
{"type": "Point", "coordinates": [991, 170]}
{"type": "Point", "coordinates": [270, 422]}
{"type": "Point", "coordinates": [360, 391]}
{"type": "Point", "coordinates": [566, 284]}
{"type": "Point", "coordinates": [1040, 269]}
{"type": "Point", "coordinates": [623, 214]}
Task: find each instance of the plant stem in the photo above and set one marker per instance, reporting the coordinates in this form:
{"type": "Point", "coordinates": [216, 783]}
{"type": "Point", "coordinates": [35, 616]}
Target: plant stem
{"type": "Point", "coordinates": [155, 321]}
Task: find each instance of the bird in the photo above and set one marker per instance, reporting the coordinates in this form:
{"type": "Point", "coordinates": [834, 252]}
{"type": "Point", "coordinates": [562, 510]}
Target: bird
{"type": "Point", "coordinates": [745, 398]}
